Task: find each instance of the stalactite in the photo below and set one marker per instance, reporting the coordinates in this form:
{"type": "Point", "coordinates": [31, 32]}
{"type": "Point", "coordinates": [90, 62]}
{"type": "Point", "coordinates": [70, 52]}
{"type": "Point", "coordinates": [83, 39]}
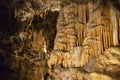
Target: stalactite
{"type": "Point", "coordinates": [80, 24]}
{"type": "Point", "coordinates": [119, 25]}
{"type": "Point", "coordinates": [101, 43]}
{"type": "Point", "coordinates": [79, 32]}
{"type": "Point", "coordinates": [115, 26]}
{"type": "Point", "coordinates": [108, 33]}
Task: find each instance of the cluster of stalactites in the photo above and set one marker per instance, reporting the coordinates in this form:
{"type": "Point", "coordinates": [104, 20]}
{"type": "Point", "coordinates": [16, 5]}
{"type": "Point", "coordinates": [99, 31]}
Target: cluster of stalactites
{"type": "Point", "coordinates": [103, 24]}
{"type": "Point", "coordinates": [89, 20]}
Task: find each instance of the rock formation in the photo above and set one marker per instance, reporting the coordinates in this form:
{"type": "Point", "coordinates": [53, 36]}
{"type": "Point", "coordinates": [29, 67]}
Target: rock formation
{"type": "Point", "coordinates": [59, 40]}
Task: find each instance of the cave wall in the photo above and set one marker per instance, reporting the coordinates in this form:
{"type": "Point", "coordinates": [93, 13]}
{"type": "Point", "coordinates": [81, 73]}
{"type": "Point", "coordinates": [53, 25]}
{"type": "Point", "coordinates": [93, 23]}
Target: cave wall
{"type": "Point", "coordinates": [95, 20]}
{"type": "Point", "coordinates": [26, 33]}
{"type": "Point", "coordinates": [86, 33]}
{"type": "Point", "coordinates": [92, 26]}
{"type": "Point", "coordinates": [59, 40]}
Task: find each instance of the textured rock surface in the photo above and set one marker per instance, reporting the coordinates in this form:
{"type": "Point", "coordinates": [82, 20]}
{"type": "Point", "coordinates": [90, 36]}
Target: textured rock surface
{"type": "Point", "coordinates": [59, 40]}
{"type": "Point", "coordinates": [107, 62]}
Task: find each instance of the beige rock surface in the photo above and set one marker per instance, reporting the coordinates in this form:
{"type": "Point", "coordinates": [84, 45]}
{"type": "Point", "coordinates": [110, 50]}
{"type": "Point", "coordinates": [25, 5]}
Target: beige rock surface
{"type": "Point", "coordinates": [59, 40]}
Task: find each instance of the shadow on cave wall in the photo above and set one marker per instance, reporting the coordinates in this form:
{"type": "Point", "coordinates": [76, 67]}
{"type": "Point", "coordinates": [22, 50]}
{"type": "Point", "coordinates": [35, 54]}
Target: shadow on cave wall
{"type": "Point", "coordinates": [47, 23]}
{"type": "Point", "coordinates": [7, 19]}
{"type": "Point", "coordinates": [9, 27]}
{"type": "Point", "coordinates": [116, 3]}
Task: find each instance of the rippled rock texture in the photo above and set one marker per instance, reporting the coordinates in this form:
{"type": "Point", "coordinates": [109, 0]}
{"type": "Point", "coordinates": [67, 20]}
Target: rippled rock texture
{"type": "Point", "coordinates": [59, 40]}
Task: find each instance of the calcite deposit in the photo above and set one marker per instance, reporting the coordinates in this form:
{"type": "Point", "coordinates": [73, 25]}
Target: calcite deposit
{"type": "Point", "coordinates": [59, 40]}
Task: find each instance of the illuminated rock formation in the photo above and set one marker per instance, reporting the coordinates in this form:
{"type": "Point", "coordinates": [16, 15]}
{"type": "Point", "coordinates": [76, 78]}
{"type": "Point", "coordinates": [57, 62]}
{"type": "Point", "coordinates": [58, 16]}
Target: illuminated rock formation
{"type": "Point", "coordinates": [59, 40]}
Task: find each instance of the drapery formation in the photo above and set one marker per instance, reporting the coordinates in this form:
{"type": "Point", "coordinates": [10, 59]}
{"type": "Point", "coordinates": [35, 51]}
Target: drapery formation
{"type": "Point", "coordinates": [90, 25]}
